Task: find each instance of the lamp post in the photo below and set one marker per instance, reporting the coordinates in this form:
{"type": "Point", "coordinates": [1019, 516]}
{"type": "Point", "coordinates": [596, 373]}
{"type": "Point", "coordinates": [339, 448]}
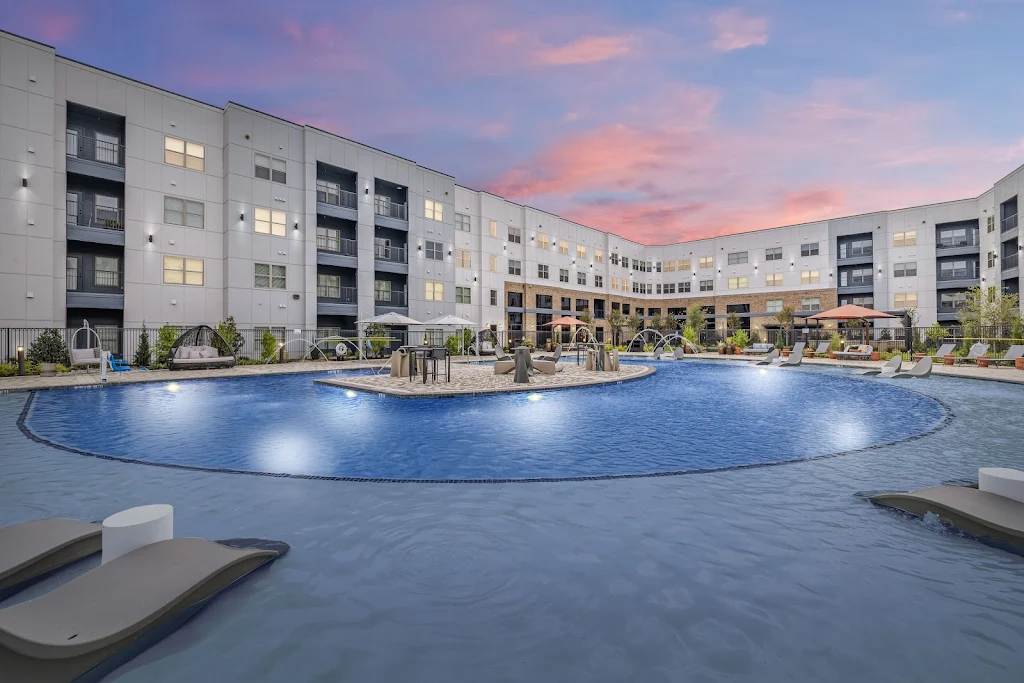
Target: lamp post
{"type": "Point", "coordinates": [21, 361]}
{"type": "Point", "coordinates": [280, 352]}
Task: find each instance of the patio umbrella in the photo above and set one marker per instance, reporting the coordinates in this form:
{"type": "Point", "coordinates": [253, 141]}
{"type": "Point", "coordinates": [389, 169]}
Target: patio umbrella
{"type": "Point", "coordinates": [851, 312]}
{"type": "Point", "coordinates": [567, 321]}
{"type": "Point", "coordinates": [386, 319]}
{"type": "Point", "coordinates": [451, 321]}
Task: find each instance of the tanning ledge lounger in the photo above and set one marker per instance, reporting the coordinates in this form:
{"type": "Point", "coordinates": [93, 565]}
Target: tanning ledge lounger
{"type": "Point", "coordinates": [31, 550]}
{"type": "Point", "coordinates": [83, 630]}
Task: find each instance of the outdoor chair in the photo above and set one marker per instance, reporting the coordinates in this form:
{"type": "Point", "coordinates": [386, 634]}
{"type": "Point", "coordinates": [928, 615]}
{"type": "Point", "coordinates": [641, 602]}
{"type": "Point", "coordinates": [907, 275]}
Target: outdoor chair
{"type": "Point", "coordinates": [922, 369]}
{"type": "Point", "coordinates": [86, 358]}
{"type": "Point", "coordinates": [503, 366]}
{"type": "Point", "coordinates": [891, 367]}
{"type": "Point", "coordinates": [855, 353]}
{"type": "Point", "coordinates": [1012, 354]}
{"type": "Point", "coordinates": [796, 356]}
{"type": "Point", "coordinates": [34, 549]}
{"type": "Point", "coordinates": [553, 357]}
{"type": "Point", "coordinates": [977, 349]}
{"type": "Point", "coordinates": [771, 358]}
{"type": "Point", "coordinates": [548, 367]}
{"type": "Point", "coordinates": [944, 350]}
{"type": "Point", "coordinates": [439, 354]}
{"type": "Point", "coordinates": [760, 347]}
{"type": "Point", "coordinates": [823, 348]}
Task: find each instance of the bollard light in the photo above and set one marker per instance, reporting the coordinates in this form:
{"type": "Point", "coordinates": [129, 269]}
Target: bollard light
{"type": "Point", "coordinates": [21, 361]}
{"type": "Point", "coordinates": [280, 353]}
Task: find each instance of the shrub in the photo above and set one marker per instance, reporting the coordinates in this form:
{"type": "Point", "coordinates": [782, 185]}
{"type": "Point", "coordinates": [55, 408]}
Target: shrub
{"type": "Point", "coordinates": [740, 340]}
{"type": "Point", "coordinates": [934, 336]}
{"type": "Point", "coordinates": [268, 345]}
{"type": "Point", "coordinates": [63, 368]}
{"type": "Point", "coordinates": [49, 347]}
{"type": "Point", "coordinates": [165, 339]}
{"type": "Point", "coordinates": [452, 344]}
{"type": "Point", "coordinates": [229, 332]}
{"type": "Point", "coordinates": [143, 352]}
{"type": "Point", "coordinates": [835, 342]}
{"type": "Point", "coordinates": [377, 336]}
{"type": "Point", "coordinates": [8, 370]}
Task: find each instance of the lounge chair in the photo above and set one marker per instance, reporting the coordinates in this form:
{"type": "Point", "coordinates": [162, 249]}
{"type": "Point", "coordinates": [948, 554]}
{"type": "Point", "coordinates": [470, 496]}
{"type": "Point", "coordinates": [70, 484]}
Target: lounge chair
{"type": "Point", "coordinates": [795, 356]}
{"type": "Point", "coordinates": [486, 349]}
{"type": "Point", "coordinates": [855, 353]}
{"type": "Point", "coordinates": [679, 352]}
{"type": "Point", "coordinates": [31, 550]}
{"type": "Point", "coordinates": [758, 348]}
{"type": "Point", "coordinates": [944, 350]}
{"type": "Point", "coordinates": [503, 366]}
{"type": "Point", "coordinates": [1012, 354]}
{"type": "Point", "coordinates": [922, 369]}
{"type": "Point", "coordinates": [118, 365]}
{"type": "Point", "coordinates": [548, 367]}
{"type": "Point", "coordinates": [823, 348]}
{"type": "Point", "coordinates": [553, 357]}
{"type": "Point", "coordinates": [977, 349]}
{"type": "Point", "coordinates": [772, 356]}
{"type": "Point", "coordinates": [93, 624]}
{"type": "Point", "coordinates": [891, 367]}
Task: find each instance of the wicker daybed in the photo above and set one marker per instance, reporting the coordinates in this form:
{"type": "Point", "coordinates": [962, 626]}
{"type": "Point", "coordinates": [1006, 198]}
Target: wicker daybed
{"type": "Point", "coordinates": [199, 348]}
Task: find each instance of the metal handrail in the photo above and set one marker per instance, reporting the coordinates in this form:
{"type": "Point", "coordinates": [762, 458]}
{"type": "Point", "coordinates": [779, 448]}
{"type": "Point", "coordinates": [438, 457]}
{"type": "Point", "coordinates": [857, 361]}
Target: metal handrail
{"type": "Point", "coordinates": [398, 297]}
{"type": "Point", "coordinates": [92, 280]}
{"type": "Point", "coordinates": [334, 196]}
{"type": "Point", "coordinates": [338, 245]}
{"type": "Point", "coordinates": [1009, 262]}
{"type": "Point", "coordinates": [91, 215]}
{"type": "Point", "coordinates": [389, 253]}
{"type": "Point", "coordinates": [82, 145]}
{"type": "Point", "coordinates": [957, 274]}
{"type": "Point", "coordinates": [385, 206]}
{"type": "Point", "coordinates": [345, 295]}
{"type": "Point", "coordinates": [953, 242]}
{"type": "Point", "coordinates": [1009, 223]}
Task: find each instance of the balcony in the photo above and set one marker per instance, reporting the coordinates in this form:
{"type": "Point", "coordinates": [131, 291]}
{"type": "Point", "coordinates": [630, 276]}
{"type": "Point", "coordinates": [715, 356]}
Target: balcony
{"type": "Point", "coordinates": [88, 287]}
{"type": "Point", "coordinates": [390, 300]}
{"type": "Point", "coordinates": [852, 256]}
{"type": "Point", "coordinates": [338, 245]}
{"type": "Point", "coordinates": [331, 200]}
{"type": "Point", "coordinates": [390, 259]}
{"type": "Point", "coordinates": [94, 154]}
{"type": "Point", "coordinates": [957, 244]}
{"type": "Point", "coordinates": [957, 278]}
{"type": "Point", "coordinates": [389, 213]}
{"type": "Point", "coordinates": [1009, 262]}
{"type": "Point", "coordinates": [331, 300]}
{"type": "Point", "coordinates": [91, 222]}
{"type": "Point", "coordinates": [334, 250]}
{"type": "Point", "coordinates": [1009, 223]}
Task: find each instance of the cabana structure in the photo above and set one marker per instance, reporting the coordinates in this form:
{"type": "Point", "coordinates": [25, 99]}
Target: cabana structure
{"type": "Point", "coordinates": [199, 348]}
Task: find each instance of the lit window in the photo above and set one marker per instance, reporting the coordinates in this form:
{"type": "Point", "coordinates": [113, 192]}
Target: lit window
{"type": "Point", "coordinates": [174, 151]}
{"type": "Point", "coordinates": [462, 222]}
{"type": "Point", "coordinates": [904, 239]}
{"type": "Point", "coordinates": [773, 280]}
{"type": "Point", "coordinates": [738, 282]}
{"type": "Point", "coordinates": [183, 271]}
{"type": "Point", "coordinates": [581, 251]}
{"type": "Point", "coordinates": [563, 247]}
{"type": "Point", "coordinates": [181, 153]}
{"type": "Point", "coordinates": [905, 300]}
{"type": "Point", "coordinates": [463, 258]}
{"type": "Point", "coordinates": [670, 266]}
{"type": "Point", "coordinates": [433, 210]}
{"type": "Point", "coordinates": [684, 264]}
{"type": "Point", "coordinates": [435, 291]}
{"type": "Point", "coordinates": [494, 228]}
{"type": "Point", "coordinates": [773, 305]}
{"type": "Point", "coordinates": [269, 222]}
{"type": "Point", "coordinates": [179, 211]}
{"type": "Point", "coordinates": [542, 241]}
{"type": "Point", "coordinates": [810, 277]}
{"type": "Point", "coordinates": [598, 256]}
{"type": "Point", "coordinates": [615, 283]}
{"type": "Point", "coordinates": [707, 261]}
{"type": "Point", "coordinates": [268, 276]}
{"type": "Point", "coordinates": [463, 295]}
{"type": "Point", "coordinates": [492, 264]}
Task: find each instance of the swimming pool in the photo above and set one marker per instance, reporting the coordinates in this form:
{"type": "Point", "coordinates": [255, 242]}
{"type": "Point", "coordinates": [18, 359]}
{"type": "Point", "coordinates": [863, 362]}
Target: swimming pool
{"type": "Point", "coordinates": [687, 417]}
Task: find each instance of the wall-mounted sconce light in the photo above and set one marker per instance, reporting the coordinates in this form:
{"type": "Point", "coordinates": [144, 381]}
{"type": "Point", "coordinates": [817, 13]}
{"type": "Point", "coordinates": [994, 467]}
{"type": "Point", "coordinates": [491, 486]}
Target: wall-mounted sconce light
{"type": "Point", "coordinates": [150, 239]}
{"type": "Point", "coordinates": [419, 247]}
{"type": "Point", "coordinates": [241, 216]}
{"type": "Point", "coordinates": [879, 271]}
{"type": "Point", "coordinates": [449, 252]}
{"type": "Point", "coordinates": [474, 278]}
{"type": "Point", "coordinates": [790, 264]}
{"type": "Point", "coordinates": [296, 226]}
{"type": "Point", "coordinates": [367, 190]}
{"type": "Point", "coordinates": [24, 182]}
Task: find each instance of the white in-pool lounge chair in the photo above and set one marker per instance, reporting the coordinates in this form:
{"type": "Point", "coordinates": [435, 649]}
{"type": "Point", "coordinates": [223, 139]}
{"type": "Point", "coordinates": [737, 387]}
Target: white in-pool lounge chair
{"type": "Point", "coordinates": [772, 356]}
{"type": "Point", "coordinates": [31, 550]}
{"type": "Point", "coordinates": [86, 628]}
{"type": "Point", "coordinates": [891, 367]}
{"type": "Point", "coordinates": [795, 356]}
{"type": "Point", "coordinates": [922, 370]}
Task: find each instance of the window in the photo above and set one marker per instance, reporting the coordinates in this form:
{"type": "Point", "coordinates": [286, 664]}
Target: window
{"type": "Point", "coordinates": [599, 281]}
{"type": "Point", "coordinates": [270, 222]}
{"type": "Point", "coordinates": [707, 261]}
{"type": "Point", "coordinates": [614, 259]}
{"type": "Point", "coordinates": [563, 274]}
{"type": "Point", "coordinates": [598, 256]}
{"type": "Point", "coordinates": [515, 300]}
{"type": "Point", "coordinates": [865, 301]}
{"type": "Point", "coordinates": [670, 288]}
{"type": "Point", "coordinates": [542, 301]}
{"type": "Point", "coordinates": [810, 277]}
{"type": "Point", "coordinates": [563, 247]}
{"type": "Point", "coordinates": [737, 257]}
{"type": "Point", "coordinates": [810, 304]}
{"type": "Point", "coordinates": [670, 266]}
{"type": "Point", "coordinates": [542, 271]}
{"type": "Point", "coordinates": [106, 271]}
{"type": "Point", "coordinates": [707, 285]}
{"type": "Point", "coordinates": [542, 241]}
{"type": "Point", "coordinates": [566, 304]}
{"type": "Point", "coordinates": [990, 224]}
{"type": "Point", "coordinates": [179, 211]}
{"type": "Point", "coordinates": [435, 291]}
{"type": "Point", "coordinates": [181, 153]}
{"type": "Point", "coordinates": [773, 280]}
{"type": "Point", "coordinates": [657, 266]}
{"type": "Point", "coordinates": [657, 289]}
{"type": "Point", "coordinates": [269, 168]}
{"type": "Point", "coordinates": [904, 269]}
{"type": "Point", "coordinates": [463, 258]}
{"type": "Point", "coordinates": [809, 249]}
{"type": "Point", "coordinates": [905, 239]}
{"type": "Point", "coordinates": [433, 210]}
{"type": "Point", "coordinates": [582, 305]}
{"type": "Point", "coordinates": [269, 276]}
{"type": "Point", "coordinates": [625, 309]}
{"type": "Point", "coordinates": [684, 287]}
{"type": "Point", "coordinates": [991, 258]}
{"type": "Point", "coordinates": [684, 264]}
{"type": "Point", "coordinates": [905, 300]}
{"type": "Point", "coordinates": [492, 263]}
{"type": "Point", "coordinates": [950, 270]}
{"type": "Point", "coordinates": [773, 305]}
{"type": "Point", "coordinates": [773, 254]}
{"type": "Point", "coordinates": [515, 235]}
{"type": "Point", "coordinates": [434, 250]}
{"type": "Point", "coordinates": [494, 228]}
{"type": "Point", "coordinates": [494, 297]}
{"type": "Point", "coordinates": [328, 286]}
{"type": "Point", "coordinates": [950, 301]}
{"type": "Point", "coordinates": [581, 251]}
{"type": "Point", "coordinates": [738, 282]}
{"type": "Point", "coordinates": [855, 248]}
{"type": "Point", "coordinates": [183, 271]}
{"type": "Point", "coordinates": [515, 267]}
{"type": "Point", "coordinates": [382, 290]}
{"type": "Point", "coordinates": [462, 222]}
{"type": "Point", "coordinates": [857, 276]}
{"type": "Point", "coordinates": [463, 295]}
{"type": "Point", "coordinates": [581, 278]}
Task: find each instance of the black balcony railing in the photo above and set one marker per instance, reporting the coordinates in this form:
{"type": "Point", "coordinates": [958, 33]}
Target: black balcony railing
{"type": "Point", "coordinates": [90, 215]}
{"type": "Point", "coordinates": [331, 294]}
{"type": "Point", "coordinates": [846, 251]}
{"type": "Point", "coordinates": [383, 252]}
{"type": "Point", "coordinates": [1009, 223]}
{"type": "Point", "coordinates": [953, 242]}
{"type": "Point", "coordinates": [1009, 261]}
{"type": "Point", "coordinates": [955, 305]}
{"type": "Point", "coordinates": [87, 279]}
{"type": "Point", "coordinates": [84, 145]}
{"type": "Point", "coordinates": [970, 272]}
{"type": "Point", "coordinates": [338, 245]}
{"type": "Point", "coordinates": [329, 193]}
{"type": "Point", "coordinates": [396, 297]}
{"type": "Point", "coordinates": [383, 206]}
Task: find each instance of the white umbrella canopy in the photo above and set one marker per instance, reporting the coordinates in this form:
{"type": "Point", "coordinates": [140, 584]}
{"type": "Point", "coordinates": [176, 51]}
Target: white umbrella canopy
{"type": "Point", "coordinates": [389, 319]}
{"type": "Point", "coordinates": [450, 321]}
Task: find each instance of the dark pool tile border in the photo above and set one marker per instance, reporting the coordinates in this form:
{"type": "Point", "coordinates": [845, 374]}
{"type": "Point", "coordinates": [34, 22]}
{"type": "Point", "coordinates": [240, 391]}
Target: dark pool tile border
{"type": "Point", "coordinates": [946, 420]}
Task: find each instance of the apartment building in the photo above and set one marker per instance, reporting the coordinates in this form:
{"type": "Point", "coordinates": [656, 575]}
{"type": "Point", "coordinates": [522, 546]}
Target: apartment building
{"type": "Point", "coordinates": [121, 203]}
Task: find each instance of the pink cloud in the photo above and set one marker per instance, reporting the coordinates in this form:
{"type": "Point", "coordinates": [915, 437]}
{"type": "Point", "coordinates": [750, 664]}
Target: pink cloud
{"type": "Point", "coordinates": [735, 30]}
{"type": "Point", "coordinates": [56, 27]}
{"type": "Point", "coordinates": [586, 50]}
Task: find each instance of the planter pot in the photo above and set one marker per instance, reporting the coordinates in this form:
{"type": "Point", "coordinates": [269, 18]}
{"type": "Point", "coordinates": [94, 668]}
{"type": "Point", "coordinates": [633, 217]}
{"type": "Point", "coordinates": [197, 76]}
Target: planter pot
{"type": "Point", "coordinates": [786, 352]}
{"type": "Point", "coordinates": [919, 356]}
{"type": "Point", "coordinates": [982, 361]}
{"type": "Point", "coordinates": [721, 350]}
{"type": "Point", "coordinates": [832, 355]}
{"type": "Point", "coordinates": [948, 359]}
{"type": "Point", "coordinates": [876, 355]}
{"type": "Point", "coordinates": [808, 353]}
{"type": "Point", "coordinates": [47, 369]}
{"type": "Point", "coordinates": [1018, 363]}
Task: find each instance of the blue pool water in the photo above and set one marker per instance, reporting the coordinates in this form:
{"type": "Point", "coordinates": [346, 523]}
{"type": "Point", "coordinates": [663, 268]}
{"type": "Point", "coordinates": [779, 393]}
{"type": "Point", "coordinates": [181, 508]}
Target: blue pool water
{"type": "Point", "coordinates": [687, 416]}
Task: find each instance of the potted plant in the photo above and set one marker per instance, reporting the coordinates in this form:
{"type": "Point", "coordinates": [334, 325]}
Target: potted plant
{"type": "Point", "coordinates": [982, 361]}
{"type": "Point", "coordinates": [949, 359]}
{"type": "Point", "coordinates": [721, 348]}
{"type": "Point", "coordinates": [786, 351]}
{"type": "Point", "coordinates": [740, 341]}
{"type": "Point", "coordinates": [876, 355]}
{"type": "Point", "coordinates": [48, 350]}
{"type": "Point", "coordinates": [835, 343]}
{"type": "Point", "coordinates": [1018, 363]}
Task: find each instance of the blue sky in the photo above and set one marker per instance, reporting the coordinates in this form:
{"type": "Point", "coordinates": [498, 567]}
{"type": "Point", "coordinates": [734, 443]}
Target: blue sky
{"type": "Point", "coordinates": [658, 120]}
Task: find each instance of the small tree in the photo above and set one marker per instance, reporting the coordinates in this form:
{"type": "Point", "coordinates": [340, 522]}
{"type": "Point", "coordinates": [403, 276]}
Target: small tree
{"type": "Point", "coordinates": [234, 339]}
{"type": "Point", "coordinates": [696, 318]}
{"type": "Point", "coordinates": [49, 347]}
{"type": "Point", "coordinates": [587, 318]}
{"type": "Point", "coordinates": [732, 322]}
{"type": "Point", "coordinates": [268, 345]}
{"type": "Point", "coordinates": [934, 335]}
{"type": "Point", "coordinates": [165, 339]}
{"type": "Point", "coordinates": [634, 323]}
{"type": "Point", "coordinates": [616, 321]}
{"type": "Point", "coordinates": [377, 336]}
{"type": "Point", "coordinates": [657, 322]}
{"type": "Point", "coordinates": [142, 351]}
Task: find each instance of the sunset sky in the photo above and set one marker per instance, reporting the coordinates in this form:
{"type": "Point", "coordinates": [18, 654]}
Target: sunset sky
{"type": "Point", "coordinates": [658, 120]}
